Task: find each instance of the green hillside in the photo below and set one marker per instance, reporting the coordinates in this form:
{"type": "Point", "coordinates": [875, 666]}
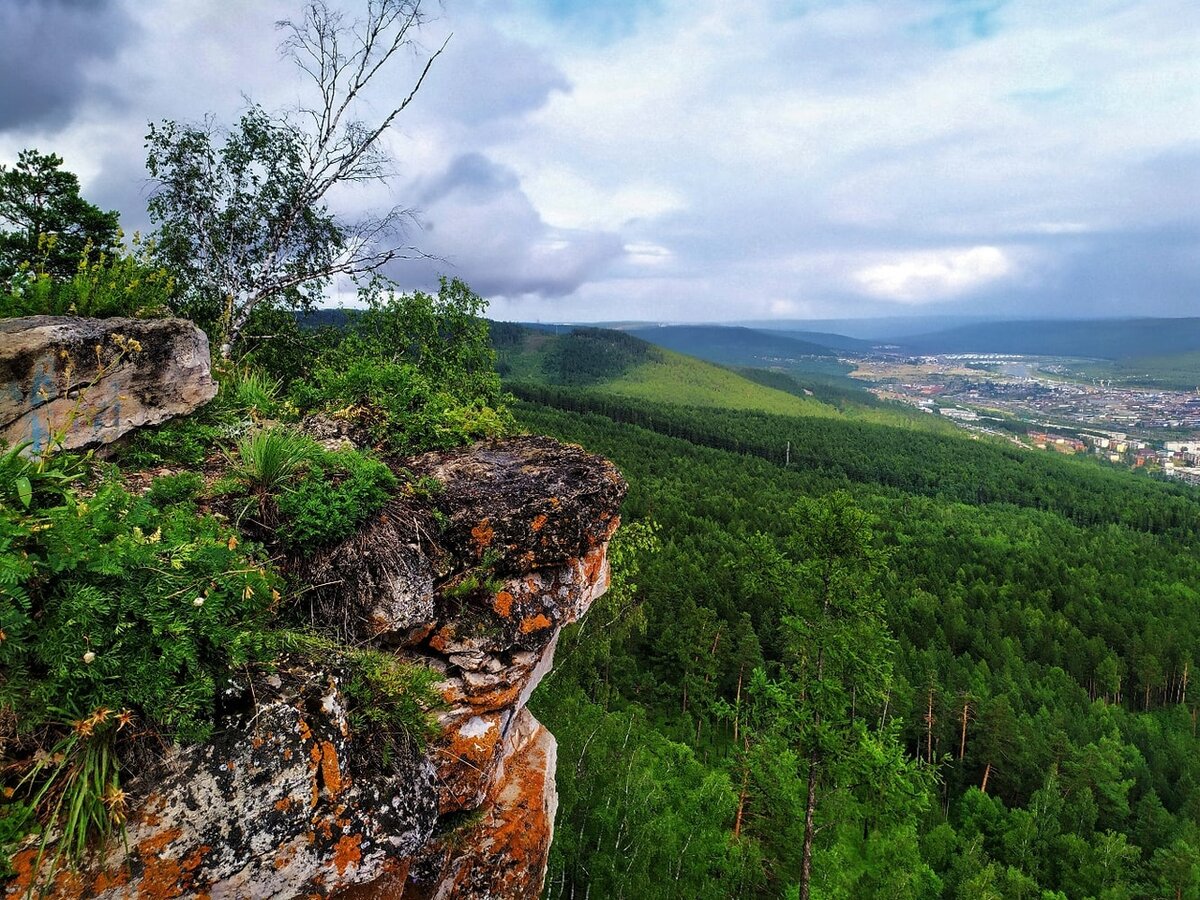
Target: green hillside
{"type": "Point", "coordinates": [675, 378]}
{"type": "Point", "coordinates": [619, 364]}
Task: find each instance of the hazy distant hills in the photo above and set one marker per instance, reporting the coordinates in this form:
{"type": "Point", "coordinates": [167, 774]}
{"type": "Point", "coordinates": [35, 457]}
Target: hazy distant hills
{"type": "Point", "coordinates": [737, 346]}
{"type": "Point", "coordinates": [733, 341]}
{"type": "Point", "coordinates": [1096, 338]}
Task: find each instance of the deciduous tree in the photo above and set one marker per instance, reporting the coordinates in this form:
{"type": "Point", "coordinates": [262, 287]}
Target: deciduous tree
{"type": "Point", "coordinates": [242, 212]}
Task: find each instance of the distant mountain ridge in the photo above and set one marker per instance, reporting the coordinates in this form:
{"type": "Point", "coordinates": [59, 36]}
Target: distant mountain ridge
{"type": "Point", "coordinates": [1095, 339]}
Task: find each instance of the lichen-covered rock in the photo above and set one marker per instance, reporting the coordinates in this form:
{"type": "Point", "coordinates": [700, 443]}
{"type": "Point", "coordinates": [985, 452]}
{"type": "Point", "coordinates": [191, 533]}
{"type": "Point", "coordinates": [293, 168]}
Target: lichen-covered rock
{"type": "Point", "coordinates": [286, 802]}
{"type": "Point", "coordinates": [289, 802]}
{"type": "Point", "coordinates": [502, 852]}
{"type": "Point", "coordinates": [85, 382]}
{"type": "Point", "coordinates": [494, 660]}
{"type": "Point", "coordinates": [530, 502]}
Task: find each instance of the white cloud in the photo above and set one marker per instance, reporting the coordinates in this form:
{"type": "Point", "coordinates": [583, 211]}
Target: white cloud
{"type": "Point", "coordinates": [935, 274]}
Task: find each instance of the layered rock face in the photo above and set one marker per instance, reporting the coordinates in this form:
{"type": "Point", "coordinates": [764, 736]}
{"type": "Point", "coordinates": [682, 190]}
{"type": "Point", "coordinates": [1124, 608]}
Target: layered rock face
{"type": "Point", "coordinates": [82, 382]}
{"type": "Point", "coordinates": [477, 581]}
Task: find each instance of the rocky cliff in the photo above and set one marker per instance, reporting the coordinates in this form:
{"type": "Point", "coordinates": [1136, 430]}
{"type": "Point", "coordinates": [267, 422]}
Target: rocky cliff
{"type": "Point", "coordinates": [475, 576]}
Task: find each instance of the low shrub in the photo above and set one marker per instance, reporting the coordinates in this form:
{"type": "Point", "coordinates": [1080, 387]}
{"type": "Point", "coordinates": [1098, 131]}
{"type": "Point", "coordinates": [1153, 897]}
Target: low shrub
{"type": "Point", "coordinates": [113, 602]}
{"type": "Point", "coordinates": [338, 492]}
{"type": "Point", "coordinates": [416, 370]}
{"type": "Point", "coordinates": [187, 442]}
{"type": "Point", "coordinates": [179, 488]}
{"type": "Point", "coordinates": [399, 406]}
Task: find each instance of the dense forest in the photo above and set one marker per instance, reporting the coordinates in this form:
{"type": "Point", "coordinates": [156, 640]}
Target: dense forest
{"type": "Point", "coordinates": [1014, 722]}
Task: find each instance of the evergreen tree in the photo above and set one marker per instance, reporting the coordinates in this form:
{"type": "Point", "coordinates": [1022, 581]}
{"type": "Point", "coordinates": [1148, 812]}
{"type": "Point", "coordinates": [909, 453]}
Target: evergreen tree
{"type": "Point", "coordinates": [50, 226]}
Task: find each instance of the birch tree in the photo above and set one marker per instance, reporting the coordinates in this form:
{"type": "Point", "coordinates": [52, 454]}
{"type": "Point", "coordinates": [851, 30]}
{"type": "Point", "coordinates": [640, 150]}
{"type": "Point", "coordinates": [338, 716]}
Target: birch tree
{"type": "Point", "coordinates": [242, 212]}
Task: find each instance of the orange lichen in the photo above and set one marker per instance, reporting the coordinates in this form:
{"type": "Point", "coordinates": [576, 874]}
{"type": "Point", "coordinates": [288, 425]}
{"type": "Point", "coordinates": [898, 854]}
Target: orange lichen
{"type": "Point", "coordinates": [483, 534]}
{"type": "Point", "coordinates": [282, 859]}
{"type": "Point", "coordinates": [330, 770]}
{"type": "Point", "coordinates": [465, 764]}
{"type": "Point", "coordinates": [503, 604]}
{"type": "Point", "coordinates": [594, 564]}
{"type": "Point", "coordinates": [539, 522]}
{"type": "Point", "coordinates": [534, 623]}
{"type": "Point", "coordinates": [445, 635]}
{"type": "Point", "coordinates": [108, 880]}
{"type": "Point", "coordinates": [346, 852]}
{"type": "Point", "coordinates": [192, 861]}
{"type": "Point", "coordinates": [156, 843]}
{"type": "Point", "coordinates": [487, 700]}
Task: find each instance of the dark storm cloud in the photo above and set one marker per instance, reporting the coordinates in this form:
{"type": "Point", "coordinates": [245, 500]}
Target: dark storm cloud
{"type": "Point", "coordinates": [46, 50]}
{"type": "Point", "coordinates": [472, 173]}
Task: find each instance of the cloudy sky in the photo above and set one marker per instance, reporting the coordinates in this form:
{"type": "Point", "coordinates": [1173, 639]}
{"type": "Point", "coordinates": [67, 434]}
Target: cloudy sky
{"type": "Point", "coordinates": [693, 160]}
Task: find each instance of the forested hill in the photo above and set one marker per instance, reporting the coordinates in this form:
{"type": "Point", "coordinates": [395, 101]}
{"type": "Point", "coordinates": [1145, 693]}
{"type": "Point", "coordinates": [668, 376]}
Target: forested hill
{"type": "Point", "coordinates": [619, 364]}
{"type": "Point", "coordinates": [1097, 338]}
{"type": "Point", "coordinates": [737, 346]}
{"type": "Point", "coordinates": [1033, 732]}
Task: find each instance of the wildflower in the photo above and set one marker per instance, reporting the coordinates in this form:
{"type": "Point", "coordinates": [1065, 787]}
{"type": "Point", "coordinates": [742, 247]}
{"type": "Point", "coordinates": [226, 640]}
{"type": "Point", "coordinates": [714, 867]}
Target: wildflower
{"type": "Point", "coordinates": [114, 799]}
{"type": "Point", "coordinates": [124, 717]}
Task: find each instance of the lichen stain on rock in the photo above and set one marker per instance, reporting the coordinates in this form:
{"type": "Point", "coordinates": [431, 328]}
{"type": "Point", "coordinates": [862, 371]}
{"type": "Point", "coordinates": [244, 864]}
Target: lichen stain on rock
{"type": "Point", "coordinates": [534, 623]}
{"type": "Point", "coordinates": [346, 853]}
{"type": "Point", "coordinates": [502, 604]}
{"type": "Point", "coordinates": [330, 770]}
{"type": "Point", "coordinates": [483, 535]}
